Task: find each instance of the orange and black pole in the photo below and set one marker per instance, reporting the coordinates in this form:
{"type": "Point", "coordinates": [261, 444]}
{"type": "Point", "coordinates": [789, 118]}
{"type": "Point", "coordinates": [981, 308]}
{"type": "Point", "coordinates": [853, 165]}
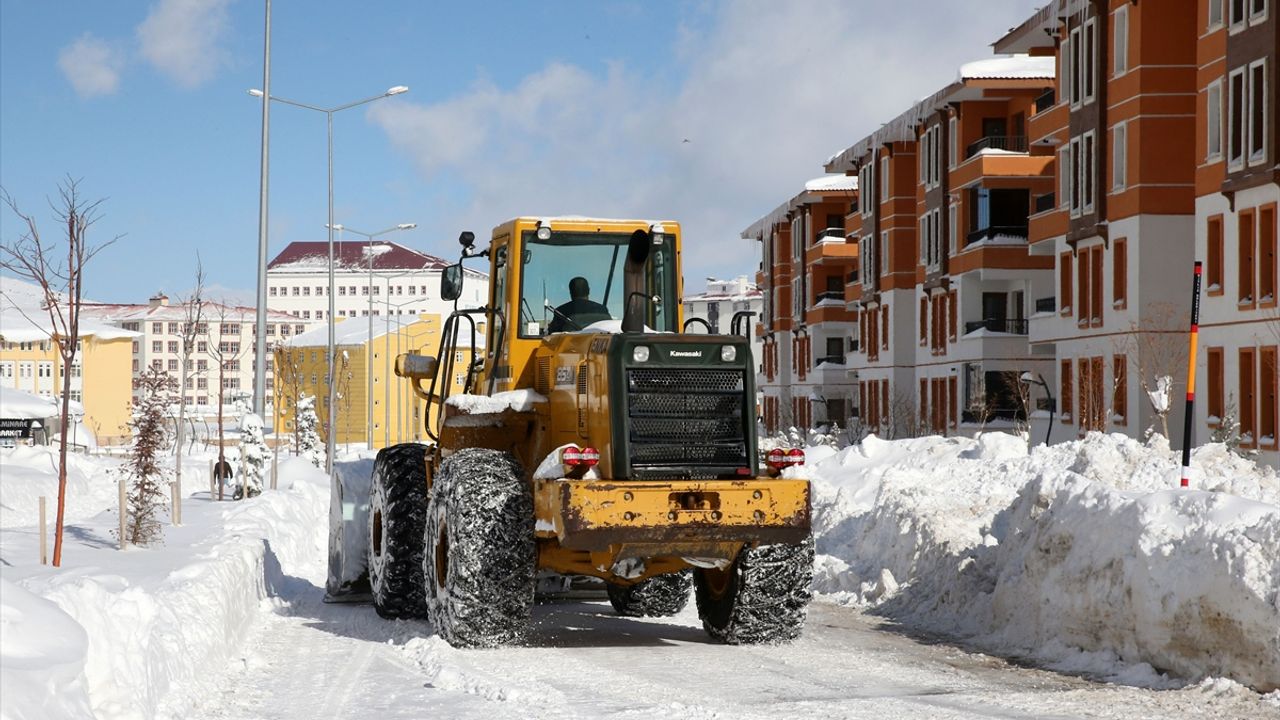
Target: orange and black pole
{"type": "Point", "coordinates": [1187, 427]}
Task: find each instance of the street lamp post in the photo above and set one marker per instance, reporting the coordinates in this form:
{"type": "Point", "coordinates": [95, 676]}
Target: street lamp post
{"type": "Point", "coordinates": [330, 443]}
{"type": "Point", "coordinates": [369, 351]}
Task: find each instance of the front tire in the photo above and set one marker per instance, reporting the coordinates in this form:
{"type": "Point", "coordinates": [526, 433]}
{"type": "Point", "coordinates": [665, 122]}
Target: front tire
{"type": "Point", "coordinates": [481, 554]}
{"type": "Point", "coordinates": [397, 516]}
{"type": "Point", "coordinates": [659, 596]}
{"type": "Point", "coordinates": [762, 598]}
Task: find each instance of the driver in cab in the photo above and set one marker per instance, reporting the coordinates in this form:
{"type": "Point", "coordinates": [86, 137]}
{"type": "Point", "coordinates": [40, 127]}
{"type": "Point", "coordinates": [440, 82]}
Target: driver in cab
{"type": "Point", "coordinates": [580, 311]}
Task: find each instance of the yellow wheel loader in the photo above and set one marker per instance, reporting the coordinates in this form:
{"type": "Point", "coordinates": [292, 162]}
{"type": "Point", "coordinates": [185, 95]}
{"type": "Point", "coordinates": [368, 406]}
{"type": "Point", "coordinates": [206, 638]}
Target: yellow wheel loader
{"type": "Point", "coordinates": [596, 437]}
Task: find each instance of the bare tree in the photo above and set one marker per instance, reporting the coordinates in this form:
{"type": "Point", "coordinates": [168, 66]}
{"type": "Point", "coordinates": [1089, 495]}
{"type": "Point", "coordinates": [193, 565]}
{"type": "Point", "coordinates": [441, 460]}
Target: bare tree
{"type": "Point", "coordinates": [225, 351]}
{"type": "Point", "coordinates": [1021, 392]}
{"type": "Point", "coordinates": [193, 319]}
{"type": "Point", "coordinates": [903, 417]}
{"type": "Point", "coordinates": [1158, 347]}
{"type": "Point", "coordinates": [61, 282]}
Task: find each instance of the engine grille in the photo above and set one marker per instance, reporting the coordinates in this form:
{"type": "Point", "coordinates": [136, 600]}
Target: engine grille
{"type": "Point", "coordinates": [687, 417]}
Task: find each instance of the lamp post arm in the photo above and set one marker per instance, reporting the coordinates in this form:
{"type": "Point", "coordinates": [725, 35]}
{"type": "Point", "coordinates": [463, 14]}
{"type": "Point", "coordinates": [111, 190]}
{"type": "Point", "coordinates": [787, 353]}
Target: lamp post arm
{"type": "Point", "coordinates": [379, 96]}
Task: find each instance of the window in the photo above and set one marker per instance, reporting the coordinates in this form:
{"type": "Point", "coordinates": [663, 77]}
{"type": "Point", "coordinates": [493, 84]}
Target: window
{"type": "Point", "coordinates": [1258, 111]}
{"type": "Point", "coordinates": [1065, 176]}
{"type": "Point", "coordinates": [377, 290]}
{"type": "Point", "coordinates": [157, 346]}
{"type": "Point", "coordinates": [1248, 398]}
{"type": "Point", "coordinates": [1073, 165]}
{"type": "Point", "coordinates": [299, 328]}
{"type": "Point", "coordinates": [1120, 41]}
{"type": "Point", "coordinates": [1119, 273]}
{"type": "Point", "coordinates": [1213, 119]}
{"type": "Point", "coordinates": [229, 329]}
{"type": "Point", "coordinates": [1064, 283]}
{"type": "Point", "coordinates": [1215, 14]}
{"type": "Point", "coordinates": [1071, 55]}
{"type": "Point", "coordinates": [1214, 382]}
{"type": "Point", "coordinates": [173, 365]}
{"type": "Point", "coordinates": [1082, 287]}
{"type": "Point", "coordinates": [1267, 260]}
{"type": "Point", "coordinates": [884, 322]}
{"type": "Point", "coordinates": [1235, 118]}
{"type": "Point", "coordinates": [173, 346]}
{"type": "Point", "coordinates": [953, 313]}
{"type": "Point", "coordinates": [306, 314]}
{"type": "Point", "coordinates": [271, 291]}
{"type": "Point", "coordinates": [884, 253]}
{"type": "Point", "coordinates": [157, 328]}
{"type": "Point", "coordinates": [924, 319]}
{"type": "Point", "coordinates": [866, 185]}
{"type": "Point", "coordinates": [952, 140]}
{"type": "Point", "coordinates": [319, 291]}
{"type": "Point", "coordinates": [306, 291]}
{"type": "Point", "coordinates": [202, 365]}
{"type": "Point", "coordinates": [1120, 391]}
{"type": "Point", "coordinates": [1119, 155]}
{"type": "Point", "coordinates": [342, 289]}
{"type": "Point", "coordinates": [1213, 269]}
{"type": "Point", "coordinates": [413, 289]}
{"type": "Point", "coordinates": [202, 346]}
{"type": "Point", "coordinates": [1087, 171]}
{"type": "Point", "coordinates": [1245, 255]}
{"type": "Point", "coordinates": [173, 328]}
{"type": "Point", "coordinates": [297, 291]}
{"type": "Point", "coordinates": [1090, 58]}
{"type": "Point", "coordinates": [1257, 11]}
{"type": "Point", "coordinates": [951, 227]}
{"type": "Point", "coordinates": [1095, 301]}
{"type": "Point", "coordinates": [1267, 402]}
{"type": "Point", "coordinates": [1066, 393]}
{"type": "Point", "coordinates": [884, 178]}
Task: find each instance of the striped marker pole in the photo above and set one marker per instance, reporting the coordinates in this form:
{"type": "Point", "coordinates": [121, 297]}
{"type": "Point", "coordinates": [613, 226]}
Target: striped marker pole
{"type": "Point", "coordinates": [1187, 428]}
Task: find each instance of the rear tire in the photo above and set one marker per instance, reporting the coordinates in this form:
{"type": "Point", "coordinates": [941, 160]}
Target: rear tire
{"type": "Point", "coordinates": [481, 555]}
{"type": "Point", "coordinates": [659, 596]}
{"type": "Point", "coordinates": [397, 516]}
{"type": "Point", "coordinates": [762, 598]}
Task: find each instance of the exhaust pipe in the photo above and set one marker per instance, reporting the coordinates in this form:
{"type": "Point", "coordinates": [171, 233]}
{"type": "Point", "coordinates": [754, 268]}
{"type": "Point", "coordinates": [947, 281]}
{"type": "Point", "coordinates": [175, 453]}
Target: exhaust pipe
{"type": "Point", "coordinates": [633, 281]}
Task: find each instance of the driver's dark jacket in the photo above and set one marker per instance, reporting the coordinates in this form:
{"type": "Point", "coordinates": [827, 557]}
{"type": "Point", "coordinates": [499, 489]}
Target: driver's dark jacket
{"type": "Point", "coordinates": [589, 310]}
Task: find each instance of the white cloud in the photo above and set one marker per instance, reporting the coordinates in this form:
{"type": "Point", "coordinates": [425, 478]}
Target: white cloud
{"type": "Point", "coordinates": [180, 38]}
{"type": "Point", "coordinates": [770, 91]}
{"type": "Point", "coordinates": [91, 66]}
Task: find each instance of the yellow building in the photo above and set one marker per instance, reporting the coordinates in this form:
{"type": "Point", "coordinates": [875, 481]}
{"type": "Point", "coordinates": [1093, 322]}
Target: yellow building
{"type": "Point", "coordinates": [392, 413]}
{"type": "Point", "coordinates": [101, 375]}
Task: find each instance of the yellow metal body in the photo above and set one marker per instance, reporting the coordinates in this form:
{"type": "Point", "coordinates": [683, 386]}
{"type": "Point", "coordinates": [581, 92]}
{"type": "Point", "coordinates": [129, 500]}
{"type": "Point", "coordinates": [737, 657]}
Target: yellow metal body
{"type": "Point", "coordinates": [621, 530]}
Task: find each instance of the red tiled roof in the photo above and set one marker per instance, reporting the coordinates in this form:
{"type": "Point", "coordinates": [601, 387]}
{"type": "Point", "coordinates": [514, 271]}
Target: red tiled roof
{"type": "Point", "coordinates": [352, 255]}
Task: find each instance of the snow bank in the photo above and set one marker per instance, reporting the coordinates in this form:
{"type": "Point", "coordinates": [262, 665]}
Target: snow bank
{"type": "Point", "coordinates": [1080, 555]}
{"type": "Point", "coordinates": [156, 643]}
{"type": "Point", "coordinates": [41, 659]}
{"type": "Point", "coordinates": [26, 473]}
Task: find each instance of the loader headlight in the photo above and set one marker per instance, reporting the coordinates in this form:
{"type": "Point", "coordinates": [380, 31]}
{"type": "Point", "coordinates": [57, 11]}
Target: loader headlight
{"type": "Point", "coordinates": [728, 353]}
{"type": "Point", "coordinates": [640, 353]}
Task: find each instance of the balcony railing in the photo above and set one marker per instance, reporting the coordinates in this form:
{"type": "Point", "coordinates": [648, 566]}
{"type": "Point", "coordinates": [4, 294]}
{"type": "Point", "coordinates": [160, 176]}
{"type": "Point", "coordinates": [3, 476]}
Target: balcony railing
{"type": "Point", "coordinates": [1047, 100]}
{"type": "Point", "coordinates": [831, 295]}
{"type": "Point", "coordinates": [1046, 304]}
{"type": "Point", "coordinates": [1015, 232]}
{"type": "Point", "coordinates": [1045, 202]}
{"type": "Point", "coordinates": [1012, 143]}
{"type": "Point", "coordinates": [852, 277]}
{"type": "Point", "coordinates": [831, 233]}
{"type": "Point", "coordinates": [832, 359]}
{"type": "Point", "coordinates": [1000, 325]}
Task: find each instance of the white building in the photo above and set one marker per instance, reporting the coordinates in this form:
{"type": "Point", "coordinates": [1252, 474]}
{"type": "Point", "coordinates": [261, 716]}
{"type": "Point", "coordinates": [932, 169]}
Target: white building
{"type": "Point", "coordinates": [718, 305]}
{"type": "Point", "coordinates": [227, 336]}
{"type": "Point", "coordinates": [370, 278]}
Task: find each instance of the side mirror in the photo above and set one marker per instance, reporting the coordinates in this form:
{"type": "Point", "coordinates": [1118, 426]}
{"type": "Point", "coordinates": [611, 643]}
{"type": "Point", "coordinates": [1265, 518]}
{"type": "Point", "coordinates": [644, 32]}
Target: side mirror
{"type": "Point", "coordinates": [451, 282]}
{"type": "Point", "coordinates": [467, 239]}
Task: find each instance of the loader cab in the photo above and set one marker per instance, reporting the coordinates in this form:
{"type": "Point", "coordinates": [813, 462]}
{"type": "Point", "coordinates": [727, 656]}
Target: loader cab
{"type": "Point", "coordinates": [555, 277]}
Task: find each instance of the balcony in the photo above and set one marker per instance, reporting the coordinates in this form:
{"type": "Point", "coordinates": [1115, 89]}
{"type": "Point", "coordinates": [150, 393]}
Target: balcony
{"type": "Point", "coordinates": [852, 277]}
{"type": "Point", "coordinates": [998, 234]}
{"type": "Point", "coordinates": [1046, 202]}
{"type": "Point", "coordinates": [831, 233]}
{"type": "Point", "coordinates": [997, 325]}
{"type": "Point", "coordinates": [831, 247]}
{"type": "Point", "coordinates": [829, 360]}
{"type": "Point", "coordinates": [1046, 101]}
{"type": "Point", "coordinates": [1004, 143]}
{"type": "Point", "coordinates": [832, 295]}
{"type": "Point", "coordinates": [1046, 304]}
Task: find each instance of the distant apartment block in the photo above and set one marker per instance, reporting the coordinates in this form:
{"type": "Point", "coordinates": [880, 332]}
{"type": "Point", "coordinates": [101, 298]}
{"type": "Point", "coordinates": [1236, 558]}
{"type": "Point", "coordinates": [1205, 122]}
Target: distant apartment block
{"type": "Point", "coordinates": [720, 304]}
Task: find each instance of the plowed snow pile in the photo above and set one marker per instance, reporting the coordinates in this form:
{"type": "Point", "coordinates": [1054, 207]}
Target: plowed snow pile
{"type": "Point", "coordinates": [1085, 555]}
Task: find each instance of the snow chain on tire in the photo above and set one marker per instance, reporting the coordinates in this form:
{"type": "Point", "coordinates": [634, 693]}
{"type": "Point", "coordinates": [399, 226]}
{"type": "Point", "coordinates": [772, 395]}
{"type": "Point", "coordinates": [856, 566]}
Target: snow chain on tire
{"type": "Point", "coordinates": [397, 516]}
{"type": "Point", "coordinates": [762, 598]}
{"type": "Point", "coordinates": [480, 553]}
{"type": "Point", "coordinates": [658, 596]}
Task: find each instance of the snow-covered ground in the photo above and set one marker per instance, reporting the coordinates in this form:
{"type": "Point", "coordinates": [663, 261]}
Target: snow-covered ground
{"type": "Point", "coordinates": [1083, 556]}
{"type": "Point", "coordinates": [1077, 556]}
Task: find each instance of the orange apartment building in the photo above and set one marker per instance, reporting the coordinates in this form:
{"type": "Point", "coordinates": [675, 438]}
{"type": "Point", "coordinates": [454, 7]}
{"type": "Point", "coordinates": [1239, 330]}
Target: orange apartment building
{"type": "Point", "coordinates": [946, 282]}
{"type": "Point", "coordinates": [1166, 134]}
{"type": "Point", "coordinates": [806, 329]}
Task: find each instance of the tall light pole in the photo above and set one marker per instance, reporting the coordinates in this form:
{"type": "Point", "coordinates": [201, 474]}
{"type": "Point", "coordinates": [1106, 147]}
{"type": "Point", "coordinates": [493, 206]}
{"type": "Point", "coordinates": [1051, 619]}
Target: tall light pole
{"type": "Point", "coordinates": [368, 248]}
{"type": "Point", "coordinates": [260, 343]}
{"type": "Point", "coordinates": [330, 444]}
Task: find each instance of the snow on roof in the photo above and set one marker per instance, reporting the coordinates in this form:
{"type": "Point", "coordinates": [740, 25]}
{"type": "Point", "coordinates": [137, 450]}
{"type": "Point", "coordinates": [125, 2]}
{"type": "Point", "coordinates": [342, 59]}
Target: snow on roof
{"type": "Point", "coordinates": [1009, 67]}
{"type": "Point", "coordinates": [23, 319]}
{"type": "Point", "coordinates": [832, 183]}
{"type": "Point", "coordinates": [213, 312]}
{"type": "Point", "coordinates": [813, 192]}
{"type": "Point", "coordinates": [23, 405]}
{"type": "Point", "coordinates": [352, 255]}
{"type": "Point", "coordinates": [355, 332]}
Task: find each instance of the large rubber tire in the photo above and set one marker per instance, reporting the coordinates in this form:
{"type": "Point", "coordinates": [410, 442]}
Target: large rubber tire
{"type": "Point", "coordinates": [658, 596]}
{"type": "Point", "coordinates": [480, 559]}
{"type": "Point", "coordinates": [397, 518]}
{"type": "Point", "coordinates": [762, 598]}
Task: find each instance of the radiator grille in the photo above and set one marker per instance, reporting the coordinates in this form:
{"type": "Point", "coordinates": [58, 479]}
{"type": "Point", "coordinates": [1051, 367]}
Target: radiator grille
{"type": "Point", "coordinates": [687, 418]}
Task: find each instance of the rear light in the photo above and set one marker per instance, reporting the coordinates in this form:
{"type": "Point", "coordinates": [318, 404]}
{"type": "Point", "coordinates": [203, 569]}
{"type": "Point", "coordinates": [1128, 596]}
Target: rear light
{"type": "Point", "coordinates": [573, 456]}
{"type": "Point", "coordinates": [776, 458]}
{"type": "Point", "coordinates": [779, 458]}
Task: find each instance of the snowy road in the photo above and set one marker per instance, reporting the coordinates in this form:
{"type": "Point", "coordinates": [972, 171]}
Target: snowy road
{"type": "Point", "coordinates": [312, 660]}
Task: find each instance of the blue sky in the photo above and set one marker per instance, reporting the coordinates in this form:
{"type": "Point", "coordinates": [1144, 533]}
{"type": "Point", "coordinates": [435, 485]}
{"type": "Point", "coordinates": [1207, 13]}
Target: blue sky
{"type": "Point", "coordinates": [543, 108]}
